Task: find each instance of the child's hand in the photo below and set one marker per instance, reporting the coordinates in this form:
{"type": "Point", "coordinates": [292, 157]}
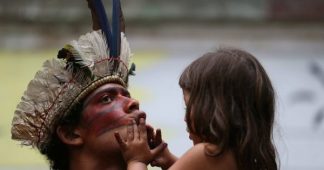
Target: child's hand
{"type": "Point", "coordinates": [135, 148]}
{"type": "Point", "coordinates": [154, 139]}
{"type": "Point", "coordinates": [165, 159]}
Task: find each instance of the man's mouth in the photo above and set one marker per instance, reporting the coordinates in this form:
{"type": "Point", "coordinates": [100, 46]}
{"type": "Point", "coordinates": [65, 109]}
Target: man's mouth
{"type": "Point", "coordinates": [137, 116]}
{"type": "Point", "coordinates": [125, 120]}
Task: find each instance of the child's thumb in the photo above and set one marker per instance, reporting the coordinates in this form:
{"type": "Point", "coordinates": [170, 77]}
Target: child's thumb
{"type": "Point", "coordinates": [157, 150]}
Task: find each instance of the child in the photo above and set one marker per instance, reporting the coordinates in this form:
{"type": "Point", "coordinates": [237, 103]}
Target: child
{"type": "Point", "coordinates": [230, 114]}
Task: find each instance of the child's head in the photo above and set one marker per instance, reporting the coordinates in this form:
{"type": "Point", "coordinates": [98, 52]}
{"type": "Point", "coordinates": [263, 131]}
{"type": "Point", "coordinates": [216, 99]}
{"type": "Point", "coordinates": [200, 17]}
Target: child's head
{"type": "Point", "coordinates": [231, 104]}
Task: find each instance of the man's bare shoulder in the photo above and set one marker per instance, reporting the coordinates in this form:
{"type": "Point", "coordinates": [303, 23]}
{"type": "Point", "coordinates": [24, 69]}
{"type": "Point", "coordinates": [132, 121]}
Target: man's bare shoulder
{"type": "Point", "coordinates": [196, 158]}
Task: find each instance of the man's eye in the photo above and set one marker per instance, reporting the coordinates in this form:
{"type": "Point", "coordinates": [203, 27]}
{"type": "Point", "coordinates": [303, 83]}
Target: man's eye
{"type": "Point", "coordinates": [106, 99]}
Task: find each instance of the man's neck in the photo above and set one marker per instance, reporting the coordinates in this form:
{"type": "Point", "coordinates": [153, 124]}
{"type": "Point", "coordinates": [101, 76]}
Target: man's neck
{"type": "Point", "coordinates": [89, 162]}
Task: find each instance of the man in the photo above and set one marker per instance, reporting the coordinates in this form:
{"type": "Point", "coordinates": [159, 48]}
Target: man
{"type": "Point", "coordinates": [73, 106]}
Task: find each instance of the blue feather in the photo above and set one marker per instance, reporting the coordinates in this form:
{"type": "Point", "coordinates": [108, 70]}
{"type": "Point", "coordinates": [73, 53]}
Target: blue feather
{"type": "Point", "coordinates": [115, 50]}
{"type": "Point", "coordinates": [103, 21]}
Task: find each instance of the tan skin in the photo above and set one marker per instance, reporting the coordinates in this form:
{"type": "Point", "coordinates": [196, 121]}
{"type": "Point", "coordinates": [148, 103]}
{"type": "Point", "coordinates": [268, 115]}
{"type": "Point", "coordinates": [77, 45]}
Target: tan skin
{"type": "Point", "coordinates": [92, 144]}
{"type": "Point", "coordinates": [137, 154]}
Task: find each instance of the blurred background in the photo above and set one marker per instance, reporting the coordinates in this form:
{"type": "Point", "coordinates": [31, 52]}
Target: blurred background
{"type": "Point", "coordinates": [287, 36]}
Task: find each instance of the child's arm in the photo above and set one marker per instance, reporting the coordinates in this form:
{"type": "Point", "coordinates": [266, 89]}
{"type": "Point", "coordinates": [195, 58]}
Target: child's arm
{"type": "Point", "coordinates": [164, 160]}
{"type": "Point", "coordinates": [135, 148]}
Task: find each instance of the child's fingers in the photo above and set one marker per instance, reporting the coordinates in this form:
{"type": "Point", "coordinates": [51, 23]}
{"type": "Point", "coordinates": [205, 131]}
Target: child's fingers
{"type": "Point", "coordinates": [136, 132]}
{"type": "Point", "coordinates": [142, 129]}
{"type": "Point", "coordinates": [150, 132]}
{"type": "Point", "coordinates": [158, 137]}
{"type": "Point", "coordinates": [156, 151]}
{"type": "Point", "coordinates": [150, 136]}
{"type": "Point", "coordinates": [130, 131]}
{"type": "Point", "coordinates": [119, 140]}
{"type": "Point", "coordinates": [154, 163]}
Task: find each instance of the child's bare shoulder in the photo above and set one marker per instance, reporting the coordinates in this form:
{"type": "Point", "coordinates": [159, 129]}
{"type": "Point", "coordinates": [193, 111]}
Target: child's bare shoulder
{"type": "Point", "coordinates": [196, 158]}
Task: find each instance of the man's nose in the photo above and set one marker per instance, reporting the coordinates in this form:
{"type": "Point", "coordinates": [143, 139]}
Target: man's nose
{"type": "Point", "coordinates": [131, 105]}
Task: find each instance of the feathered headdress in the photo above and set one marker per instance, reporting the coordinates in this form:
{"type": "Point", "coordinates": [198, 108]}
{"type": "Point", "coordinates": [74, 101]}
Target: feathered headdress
{"type": "Point", "coordinates": [97, 58]}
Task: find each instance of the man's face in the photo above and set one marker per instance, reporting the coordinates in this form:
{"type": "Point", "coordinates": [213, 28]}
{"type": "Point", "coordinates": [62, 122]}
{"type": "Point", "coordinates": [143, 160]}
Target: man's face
{"type": "Point", "coordinates": [106, 110]}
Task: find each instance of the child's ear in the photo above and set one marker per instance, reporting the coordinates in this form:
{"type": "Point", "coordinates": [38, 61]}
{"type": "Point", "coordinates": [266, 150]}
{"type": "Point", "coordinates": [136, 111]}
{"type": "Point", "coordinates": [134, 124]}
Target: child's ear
{"type": "Point", "coordinates": [70, 135]}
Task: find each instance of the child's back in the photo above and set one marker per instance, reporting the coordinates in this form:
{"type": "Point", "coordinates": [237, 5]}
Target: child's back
{"type": "Point", "coordinates": [196, 158]}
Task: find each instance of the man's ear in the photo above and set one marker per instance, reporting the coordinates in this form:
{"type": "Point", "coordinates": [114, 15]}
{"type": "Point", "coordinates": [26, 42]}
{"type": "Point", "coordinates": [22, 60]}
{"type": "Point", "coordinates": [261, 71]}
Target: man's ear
{"type": "Point", "coordinates": [70, 135]}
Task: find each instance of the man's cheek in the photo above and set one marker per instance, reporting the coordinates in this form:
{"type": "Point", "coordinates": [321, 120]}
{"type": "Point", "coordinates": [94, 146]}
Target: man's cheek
{"type": "Point", "coordinates": [123, 121]}
{"type": "Point", "coordinates": [109, 121]}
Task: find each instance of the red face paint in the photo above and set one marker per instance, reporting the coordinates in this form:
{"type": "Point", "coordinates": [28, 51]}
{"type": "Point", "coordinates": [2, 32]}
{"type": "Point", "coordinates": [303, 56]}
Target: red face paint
{"type": "Point", "coordinates": [106, 109]}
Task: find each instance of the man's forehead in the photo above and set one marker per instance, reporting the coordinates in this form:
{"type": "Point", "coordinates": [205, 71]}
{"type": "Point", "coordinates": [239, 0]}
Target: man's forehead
{"type": "Point", "coordinates": [106, 88]}
{"type": "Point", "coordinates": [110, 86]}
